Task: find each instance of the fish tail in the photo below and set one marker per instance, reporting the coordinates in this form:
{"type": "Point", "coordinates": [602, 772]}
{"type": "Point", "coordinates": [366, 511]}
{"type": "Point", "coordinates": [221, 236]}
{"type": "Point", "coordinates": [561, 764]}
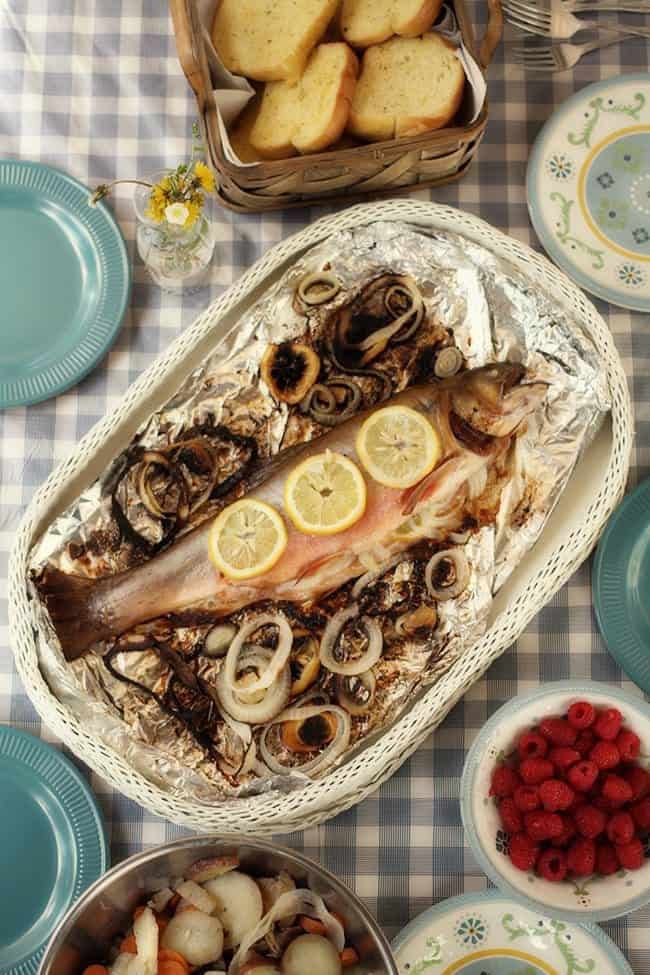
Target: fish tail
{"type": "Point", "coordinates": [71, 602]}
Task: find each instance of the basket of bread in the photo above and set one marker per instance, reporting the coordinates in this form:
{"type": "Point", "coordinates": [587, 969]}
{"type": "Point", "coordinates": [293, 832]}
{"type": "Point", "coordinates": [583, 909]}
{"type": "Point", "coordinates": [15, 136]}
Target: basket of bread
{"type": "Point", "coordinates": [302, 101]}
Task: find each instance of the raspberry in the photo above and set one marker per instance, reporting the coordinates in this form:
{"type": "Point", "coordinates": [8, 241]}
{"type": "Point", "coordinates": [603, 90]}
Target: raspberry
{"type": "Point", "coordinates": [563, 758]}
{"type": "Point", "coordinates": [585, 741]}
{"type": "Point", "coordinates": [620, 828]}
{"type": "Point", "coordinates": [555, 795]}
{"type": "Point", "coordinates": [630, 855]}
{"type": "Point", "coordinates": [527, 798]}
{"type": "Point", "coordinates": [581, 858]}
{"type": "Point", "coordinates": [629, 745]}
{"type": "Point", "coordinates": [504, 781]}
{"type": "Point", "coordinates": [608, 724]}
{"type": "Point", "coordinates": [558, 731]}
{"type": "Point", "coordinates": [552, 865]}
{"type": "Point", "coordinates": [532, 745]}
{"type": "Point", "coordinates": [639, 779]}
{"type": "Point", "coordinates": [616, 789]}
{"type": "Point", "coordinates": [581, 714]}
{"type": "Point", "coordinates": [535, 770]}
{"type": "Point", "coordinates": [605, 754]}
{"type": "Point", "coordinates": [542, 825]}
{"type": "Point", "coordinates": [641, 814]}
{"type": "Point", "coordinates": [606, 860]}
{"type": "Point", "coordinates": [582, 775]}
{"type": "Point", "coordinates": [567, 834]}
{"type": "Point", "coordinates": [510, 816]}
{"type": "Point", "coordinates": [523, 851]}
{"type": "Point", "coordinates": [590, 821]}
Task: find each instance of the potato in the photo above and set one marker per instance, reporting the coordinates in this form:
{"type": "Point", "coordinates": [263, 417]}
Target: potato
{"type": "Point", "coordinates": [196, 936]}
{"type": "Point", "coordinates": [311, 953]}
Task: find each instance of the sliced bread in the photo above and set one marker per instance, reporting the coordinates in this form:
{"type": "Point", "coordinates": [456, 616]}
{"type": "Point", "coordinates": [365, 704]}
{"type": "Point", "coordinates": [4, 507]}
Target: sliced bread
{"type": "Point", "coordinates": [269, 40]}
{"type": "Point", "coordinates": [240, 133]}
{"type": "Point", "coordinates": [311, 114]}
{"type": "Point", "coordinates": [366, 22]}
{"type": "Point", "coordinates": [406, 86]}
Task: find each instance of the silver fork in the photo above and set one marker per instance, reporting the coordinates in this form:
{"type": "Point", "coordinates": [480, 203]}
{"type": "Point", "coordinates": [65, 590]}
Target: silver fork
{"type": "Point", "coordinates": [553, 20]}
{"type": "Point", "coordinates": [546, 58]}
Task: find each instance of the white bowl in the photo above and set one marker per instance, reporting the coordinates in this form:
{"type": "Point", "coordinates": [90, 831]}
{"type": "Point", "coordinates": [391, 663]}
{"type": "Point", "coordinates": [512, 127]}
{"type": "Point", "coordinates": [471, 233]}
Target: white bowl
{"type": "Point", "coordinates": [584, 899]}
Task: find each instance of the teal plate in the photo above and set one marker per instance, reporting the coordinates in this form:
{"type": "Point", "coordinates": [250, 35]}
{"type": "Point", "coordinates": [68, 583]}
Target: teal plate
{"type": "Point", "coordinates": [588, 188]}
{"type": "Point", "coordinates": [621, 585]}
{"type": "Point", "coordinates": [52, 846]}
{"type": "Point", "coordinates": [64, 282]}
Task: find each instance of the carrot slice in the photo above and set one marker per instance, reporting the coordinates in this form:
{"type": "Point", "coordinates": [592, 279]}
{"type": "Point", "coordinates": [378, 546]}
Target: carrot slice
{"type": "Point", "coordinates": [129, 945]}
{"type": "Point", "coordinates": [349, 956]}
{"type": "Point", "coordinates": [311, 925]}
{"type": "Point", "coordinates": [167, 954]}
{"type": "Point", "coordinates": [171, 968]}
{"type": "Point", "coordinates": [95, 970]}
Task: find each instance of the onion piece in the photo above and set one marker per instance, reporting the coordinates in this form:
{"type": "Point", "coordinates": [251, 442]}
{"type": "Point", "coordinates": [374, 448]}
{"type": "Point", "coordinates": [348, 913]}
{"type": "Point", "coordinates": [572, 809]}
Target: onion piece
{"type": "Point", "coordinates": [318, 295]}
{"type": "Point", "coordinates": [145, 930]}
{"type": "Point", "coordinates": [218, 639]}
{"type": "Point", "coordinates": [332, 633]}
{"type": "Point", "coordinates": [311, 953]}
{"type": "Point", "coordinates": [357, 693]}
{"type": "Point", "coordinates": [329, 754]}
{"type": "Point", "coordinates": [272, 889]}
{"type": "Point", "coordinates": [456, 574]}
{"type": "Point", "coordinates": [122, 963]}
{"type": "Point", "coordinates": [293, 902]}
{"type": "Point", "coordinates": [278, 660]}
{"type": "Point", "coordinates": [374, 574]}
{"type": "Point", "coordinates": [322, 405]}
{"type": "Point", "coordinates": [196, 936]}
{"type": "Point", "coordinates": [448, 362]}
{"type": "Point", "coordinates": [197, 896]}
{"type": "Point", "coordinates": [159, 901]}
{"type": "Point", "coordinates": [268, 704]}
{"type": "Point", "coordinates": [416, 619]}
{"type": "Point", "coordinates": [238, 905]}
{"type": "Point", "coordinates": [210, 867]}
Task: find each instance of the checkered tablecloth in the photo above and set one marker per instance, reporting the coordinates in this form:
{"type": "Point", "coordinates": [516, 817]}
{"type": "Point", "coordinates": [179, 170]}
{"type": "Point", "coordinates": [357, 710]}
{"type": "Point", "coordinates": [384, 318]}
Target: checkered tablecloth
{"type": "Point", "coordinates": [94, 87]}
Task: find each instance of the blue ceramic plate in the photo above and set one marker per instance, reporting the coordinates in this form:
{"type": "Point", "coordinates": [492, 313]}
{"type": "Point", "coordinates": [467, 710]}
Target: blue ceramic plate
{"type": "Point", "coordinates": [486, 933]}
{"type": "Point", "coordinates": [52, 846]}
{"type": "Point", "coordinates": [620, 583]}
{"type": "Point", "coordinates": [589, 189]}
{"type": "Point", "coordinates": [64, 282]}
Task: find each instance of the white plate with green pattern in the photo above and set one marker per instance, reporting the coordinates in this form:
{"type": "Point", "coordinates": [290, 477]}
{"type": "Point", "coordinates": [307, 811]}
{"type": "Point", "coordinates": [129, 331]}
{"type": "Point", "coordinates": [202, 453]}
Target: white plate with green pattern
{"type": "Point", "coordinates": [589, 189]}
{"type": "Point", "coordinates": [486, 933]}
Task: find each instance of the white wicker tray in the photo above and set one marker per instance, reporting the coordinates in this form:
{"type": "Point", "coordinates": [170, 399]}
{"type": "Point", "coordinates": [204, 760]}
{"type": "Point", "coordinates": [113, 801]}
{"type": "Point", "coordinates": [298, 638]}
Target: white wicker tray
{"type": "Point", "coordinates": [567, 540]}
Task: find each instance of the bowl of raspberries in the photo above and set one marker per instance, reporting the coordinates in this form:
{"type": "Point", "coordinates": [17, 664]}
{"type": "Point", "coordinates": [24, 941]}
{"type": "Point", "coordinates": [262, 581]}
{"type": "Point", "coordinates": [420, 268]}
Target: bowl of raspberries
{"type": "Point", "coordinates": [555, 800]}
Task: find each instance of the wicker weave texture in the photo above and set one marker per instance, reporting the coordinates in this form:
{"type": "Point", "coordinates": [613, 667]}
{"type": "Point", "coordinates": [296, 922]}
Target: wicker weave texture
{"type": "Point", "coordinates": [350, 783]}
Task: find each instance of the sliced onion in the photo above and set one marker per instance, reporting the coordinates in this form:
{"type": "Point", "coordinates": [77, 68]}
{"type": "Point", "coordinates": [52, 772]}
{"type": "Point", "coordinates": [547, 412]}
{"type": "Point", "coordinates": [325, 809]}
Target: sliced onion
{"type": "Point", "coordinates": [272, 889]}
{"type": "Point", "coordinates": [218, 640]}
{"type": "Point", "coordinates": [145, 930]}
{"type": "Point", "coordinates": [476, 483]}
{"type": "Point", "coordinates": [461, 537]}
{"type": "Point", "coordinates": [159, 901]}
{"type": "Point", "coordinates": [238, 905]}
{"type": "Point", "coordinates": [333, 630]}
{"type": "Point", "coordinates": [318, 295]}
{"type": "Point", "coordinates": [197, 896]}
{"type": "Point", "coordinates": [322, 405]}
{"type": "Point", "coordinates": [196, 936]}
{"type": "Point", "coordinates": [329, 755]}
{"type": "Point", "coordinates": [276, 663]}
{"type": "Point", "coordinates": [458, 578]}
{"type": "Point", "coordinates": [122, 963]}
{"type": "Point", "coordinates": [269, 703]}
{"type": "Point", "coordinates": [416, 619]}
{"type": "Point", "coordinates": [448, 362]}
{"type": "Point", "coordinates": [211, 867]}
{"type": "Point", "coordinates": [357, 693]}
{"type": "Point", "coordinates": [293, 902]}
{"type": "Point", "coordinates": [241, 728]}
{"type": "Point", "coordinates": [374, 574]}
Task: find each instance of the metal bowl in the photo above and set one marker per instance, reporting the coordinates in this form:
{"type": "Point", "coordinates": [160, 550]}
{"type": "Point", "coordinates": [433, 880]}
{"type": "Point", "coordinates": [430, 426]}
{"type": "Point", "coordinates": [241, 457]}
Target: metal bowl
{"type": "Point", "coordinates": [105, 910]}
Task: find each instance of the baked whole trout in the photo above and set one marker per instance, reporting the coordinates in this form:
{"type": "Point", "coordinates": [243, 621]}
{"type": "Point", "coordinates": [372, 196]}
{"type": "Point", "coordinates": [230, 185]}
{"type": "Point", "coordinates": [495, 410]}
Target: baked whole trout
{"type": "Point", "coordinates": [477, 415]}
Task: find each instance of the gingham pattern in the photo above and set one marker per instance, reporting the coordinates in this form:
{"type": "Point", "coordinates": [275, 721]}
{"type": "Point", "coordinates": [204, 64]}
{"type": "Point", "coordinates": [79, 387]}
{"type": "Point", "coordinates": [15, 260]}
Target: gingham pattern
{"type": "Point", "coordinates": [95, 88]}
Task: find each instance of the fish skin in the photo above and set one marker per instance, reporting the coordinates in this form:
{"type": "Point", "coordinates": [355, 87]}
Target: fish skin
{"type": "Point", "coordinates": [492, 398]}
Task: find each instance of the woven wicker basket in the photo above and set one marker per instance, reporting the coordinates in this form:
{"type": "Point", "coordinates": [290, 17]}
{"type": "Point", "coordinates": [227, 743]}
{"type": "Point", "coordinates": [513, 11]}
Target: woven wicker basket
{"type": "Point", "coordinates": [380, 169]}
{"type": "Point", "coordinates": [567, 540]}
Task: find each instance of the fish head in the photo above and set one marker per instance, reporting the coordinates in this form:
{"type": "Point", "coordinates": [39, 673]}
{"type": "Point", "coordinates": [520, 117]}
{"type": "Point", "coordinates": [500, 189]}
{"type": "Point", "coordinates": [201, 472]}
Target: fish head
{"type": "Point", "coordinates": [494, 399]}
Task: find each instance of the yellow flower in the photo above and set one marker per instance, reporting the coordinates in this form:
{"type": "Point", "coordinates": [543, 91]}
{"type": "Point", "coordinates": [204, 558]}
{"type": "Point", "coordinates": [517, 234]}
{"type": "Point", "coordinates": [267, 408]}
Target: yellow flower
{"type": "Point", "coordinates": [194, 211]}
{"type": "Point", "coordinates": [206, 176]}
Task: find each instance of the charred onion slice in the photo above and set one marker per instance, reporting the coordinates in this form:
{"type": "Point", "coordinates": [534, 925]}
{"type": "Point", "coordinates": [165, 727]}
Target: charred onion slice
{"type": "Point", "coordinates": [305, 666]}
{"type": "Point", "coordinates": [310, 734]}
{"type": "Point", "coordinates": [422, 617]}
{"type": "Point", "coordinates": [373, 576]}
{"type": "Point", "coordinates": [322, 404]}
{"type": "Point", "coordinates": [356, 693]}
{"type": "Point", "coordinates": [259, 707]}
{"type": "Point", "coordinates": [289, 370]}
{"type": "Point", "coordinates": [448, 362]}
{"type": "Point", "coordinates": [218, 640]}
{"type": "Point", "coordinates": [447, 574]}
{"type": "Point", "coordinates": [330, 754]}
{"type": "Point", "coordinates": [332, 634]}
{"type": "Point", "coordinates": [402, 293]}
{"type": "Point", "coordinates": [318, 287]}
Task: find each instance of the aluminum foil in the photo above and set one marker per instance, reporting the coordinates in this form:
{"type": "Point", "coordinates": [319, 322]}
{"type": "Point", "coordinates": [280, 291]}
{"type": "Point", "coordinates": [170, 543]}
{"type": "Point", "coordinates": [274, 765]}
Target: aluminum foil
{"type": "Point", "coordinates": [478, 302]}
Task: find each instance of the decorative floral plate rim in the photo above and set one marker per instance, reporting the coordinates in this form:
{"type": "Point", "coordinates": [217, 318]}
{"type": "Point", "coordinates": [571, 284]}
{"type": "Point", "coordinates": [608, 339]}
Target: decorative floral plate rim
{"type": "Point", "coordinates": [626, 891]}
{"type": "Point", "coordinates": [559, 948]}
{"type": "Point", "coordinates": [559, 159]}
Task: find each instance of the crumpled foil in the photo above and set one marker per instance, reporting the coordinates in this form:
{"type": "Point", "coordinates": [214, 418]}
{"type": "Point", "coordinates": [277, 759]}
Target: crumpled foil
{"type": "Point", "coordinates": [491, 312]}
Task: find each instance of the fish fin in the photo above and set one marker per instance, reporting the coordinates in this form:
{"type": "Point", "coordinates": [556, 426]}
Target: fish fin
{"type": "Point", "coordinates": [413, 496]}
{"type": "Point", "coordinates": [68, 599]}
{"type": "Point", "coordinates": [317, 564]}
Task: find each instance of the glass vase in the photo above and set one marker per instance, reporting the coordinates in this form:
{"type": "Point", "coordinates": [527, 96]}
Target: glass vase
{"type": "Point", "coordinates": [177, 258]}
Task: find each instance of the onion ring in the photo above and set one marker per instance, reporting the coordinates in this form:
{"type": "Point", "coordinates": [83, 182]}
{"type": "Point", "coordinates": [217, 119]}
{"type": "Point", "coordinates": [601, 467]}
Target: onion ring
{"type": "Point", "coordinates": [458, 577]}
{"type": "Point", "coordinates": [311, 281]}
{"type": "Point", "coordinates": [277, 662]}
{"type": "Point", "coordinates": [329, 754]}
{"type": "Point", "coordinates": [332, 633]}
{"type": "Point", "coordinates": [271, 703]}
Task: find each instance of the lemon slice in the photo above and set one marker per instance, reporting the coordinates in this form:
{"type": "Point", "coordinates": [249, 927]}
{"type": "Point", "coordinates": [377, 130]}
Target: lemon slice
{"type": "Point", "coordinates": [247, 539]}
{"type": "Point", "coordinates": [398, 446]}
{"type": "Point", "coordinates": [325, 494]}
